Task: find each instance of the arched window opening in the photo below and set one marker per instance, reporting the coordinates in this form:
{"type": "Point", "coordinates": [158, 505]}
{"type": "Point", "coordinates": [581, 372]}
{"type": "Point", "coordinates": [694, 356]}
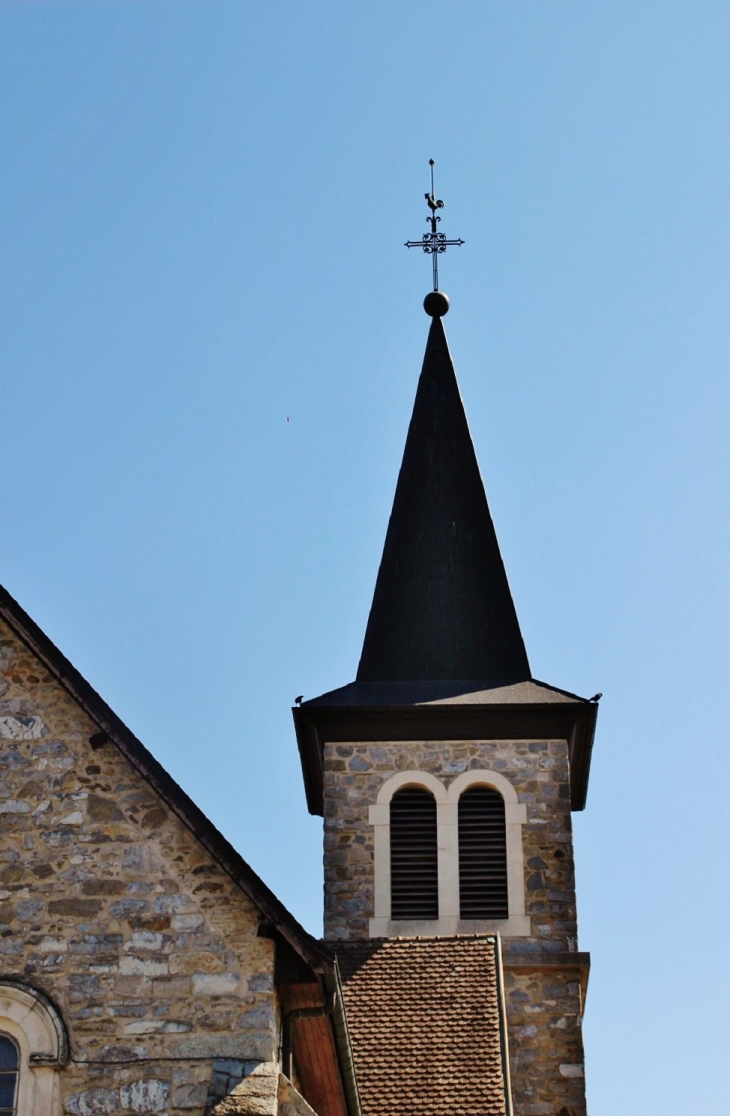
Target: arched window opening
{"type": "Point", "coordinates": [413, 855]}
{"type": "Point", "coordinates": [482, 854]}
{"type": "Point", "coordinates": [33, 1048]}
{"type": "Point", "coordinates": [9, 1071]}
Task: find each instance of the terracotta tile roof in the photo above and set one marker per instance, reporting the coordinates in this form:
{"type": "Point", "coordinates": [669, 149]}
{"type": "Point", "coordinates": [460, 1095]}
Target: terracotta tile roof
{"type": "Point", "coordinates": [423, 1016]}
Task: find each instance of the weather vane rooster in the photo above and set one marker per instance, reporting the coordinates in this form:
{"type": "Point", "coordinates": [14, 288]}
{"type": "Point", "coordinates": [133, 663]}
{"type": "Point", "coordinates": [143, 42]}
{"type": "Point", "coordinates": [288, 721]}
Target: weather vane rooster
{"type": "Point", "coordinates": [433, 242]}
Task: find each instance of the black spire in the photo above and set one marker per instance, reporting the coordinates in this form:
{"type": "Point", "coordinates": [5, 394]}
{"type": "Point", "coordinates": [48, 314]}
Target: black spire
{"type": "Point", "coordinates": [442, 608]}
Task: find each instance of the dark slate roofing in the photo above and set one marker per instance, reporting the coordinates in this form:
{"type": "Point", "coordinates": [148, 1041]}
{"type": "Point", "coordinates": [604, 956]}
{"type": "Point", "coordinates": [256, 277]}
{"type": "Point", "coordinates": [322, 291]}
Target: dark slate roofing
{"type": "Point", "coordinates": [425, 1025]}
{"type": "Point", "coordinates": [442, 608]}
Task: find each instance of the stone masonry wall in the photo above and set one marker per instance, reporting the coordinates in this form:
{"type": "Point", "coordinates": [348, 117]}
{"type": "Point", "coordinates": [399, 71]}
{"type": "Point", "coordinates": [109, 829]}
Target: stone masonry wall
{"type": "Point", "coordinates": [543, 1007]}
{"type": "Point", "coordinates": [544, 1013]}
{"type": "Point", "coordinates": [110, 906]}
{"type": "Point", "coordinates": [354, 773]}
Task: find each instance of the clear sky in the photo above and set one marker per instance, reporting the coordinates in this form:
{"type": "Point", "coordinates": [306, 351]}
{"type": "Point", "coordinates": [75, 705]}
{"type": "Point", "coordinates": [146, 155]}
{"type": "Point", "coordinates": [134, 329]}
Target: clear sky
{"type": "Point", "coordinates": [211, 336]}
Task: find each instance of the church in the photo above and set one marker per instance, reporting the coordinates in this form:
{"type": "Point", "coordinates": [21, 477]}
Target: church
{"type": "Point", "coordinates": [146, 968]}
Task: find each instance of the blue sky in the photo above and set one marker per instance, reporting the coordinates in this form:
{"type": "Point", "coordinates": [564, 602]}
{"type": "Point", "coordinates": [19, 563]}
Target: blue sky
{"type": "Point", "coordinates": [211, 336]}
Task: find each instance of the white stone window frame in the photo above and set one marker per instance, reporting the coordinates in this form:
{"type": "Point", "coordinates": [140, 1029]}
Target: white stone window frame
{"type": "Point", "coordinates": [30, 1019]}
{"type": "Point", "coordinates": [449, 921]}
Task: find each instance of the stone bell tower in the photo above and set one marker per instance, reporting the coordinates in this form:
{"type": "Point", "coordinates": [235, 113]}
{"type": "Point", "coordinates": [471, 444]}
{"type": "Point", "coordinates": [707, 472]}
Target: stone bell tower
{"type": "Point", "coordinates": [446, 773]}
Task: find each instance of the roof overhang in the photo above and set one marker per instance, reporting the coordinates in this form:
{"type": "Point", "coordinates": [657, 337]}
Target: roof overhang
{"type": "Point", "coordinates": [317, 725]}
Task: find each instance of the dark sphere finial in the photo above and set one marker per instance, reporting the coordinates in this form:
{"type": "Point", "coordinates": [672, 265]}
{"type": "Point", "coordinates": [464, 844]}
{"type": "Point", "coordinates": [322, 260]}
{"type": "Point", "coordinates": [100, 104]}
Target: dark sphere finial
{"type": "Point", "coordinates": [436, 304]}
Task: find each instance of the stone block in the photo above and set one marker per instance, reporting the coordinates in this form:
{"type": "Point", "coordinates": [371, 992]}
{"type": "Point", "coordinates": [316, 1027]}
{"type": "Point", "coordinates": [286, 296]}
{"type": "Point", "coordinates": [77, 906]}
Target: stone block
{"type": "Point", "coordinates": [92, 1102]}
{"type": "Point", "coordinates": [253, 1046]}
{"type": "Point", "coordinates": [290, 1100]}
{"type": "Point", "coordinates": [195, 961]}
{"type": "Point", "coordinates": [146, 1096]}
{"type": "Point", "coordinates": [256, 1095]}
{"type": "Point", "coordinates": [190, 1097]}
{"type": "Point", "coordinates": [75, 908]}
{"type": "Point", "coordinates": [216, 984]}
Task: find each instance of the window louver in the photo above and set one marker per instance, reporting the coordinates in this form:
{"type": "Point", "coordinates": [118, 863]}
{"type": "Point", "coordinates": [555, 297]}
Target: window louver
{"type": "Point", "coordinates": [482, 854]}
{"type": "Point", "coordinates": [413, 855]}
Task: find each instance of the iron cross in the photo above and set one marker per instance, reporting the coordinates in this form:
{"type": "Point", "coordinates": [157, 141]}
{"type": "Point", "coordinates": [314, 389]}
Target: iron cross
{"type": "Point", "coordinates": [433, 242]}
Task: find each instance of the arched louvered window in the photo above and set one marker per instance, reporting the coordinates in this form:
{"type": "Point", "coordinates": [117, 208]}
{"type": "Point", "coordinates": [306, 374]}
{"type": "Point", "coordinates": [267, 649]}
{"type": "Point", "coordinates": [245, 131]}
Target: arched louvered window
{"type": "Point", "coordinates": [9, 1070]}
{"type": "Point", "coordinates": [482, 854]}
{"type": "Point", "coordinates": [413, 855]}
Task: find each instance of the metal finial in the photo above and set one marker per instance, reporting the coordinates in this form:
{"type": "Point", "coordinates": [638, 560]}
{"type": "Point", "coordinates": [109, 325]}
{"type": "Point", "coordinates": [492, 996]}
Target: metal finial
{"type": "Point", "coordinates": [433, 242]}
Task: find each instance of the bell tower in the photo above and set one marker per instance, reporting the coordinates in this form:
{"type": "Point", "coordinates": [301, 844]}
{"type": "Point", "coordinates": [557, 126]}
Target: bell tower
{"type": "Point", "coordinates": [446, 774]}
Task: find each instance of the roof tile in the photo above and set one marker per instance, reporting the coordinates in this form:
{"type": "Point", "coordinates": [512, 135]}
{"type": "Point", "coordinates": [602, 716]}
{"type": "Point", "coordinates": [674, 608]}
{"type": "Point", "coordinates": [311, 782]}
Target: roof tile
{"type": "Point", "coordinates": [423, 1016]}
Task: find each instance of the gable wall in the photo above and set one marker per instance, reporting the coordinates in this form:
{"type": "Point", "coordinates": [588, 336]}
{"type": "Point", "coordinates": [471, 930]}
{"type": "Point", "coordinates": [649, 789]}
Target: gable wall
{"type": "Point", "coordinates": [110, 906]}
